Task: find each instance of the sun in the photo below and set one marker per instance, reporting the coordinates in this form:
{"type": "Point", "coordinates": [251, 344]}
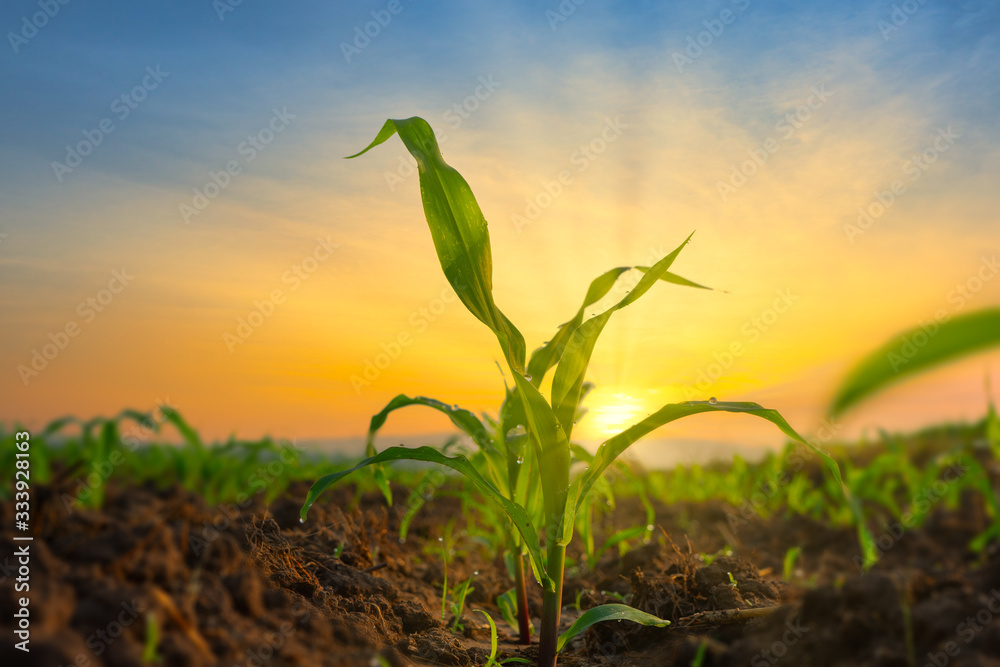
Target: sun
{"type": "Point", "coordinates": [619, 412]}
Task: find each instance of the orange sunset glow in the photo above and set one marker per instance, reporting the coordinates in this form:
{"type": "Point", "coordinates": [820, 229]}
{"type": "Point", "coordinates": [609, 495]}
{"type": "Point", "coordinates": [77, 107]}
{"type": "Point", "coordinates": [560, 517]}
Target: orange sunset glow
{"type": "Point", "coordinates": [214, 252]}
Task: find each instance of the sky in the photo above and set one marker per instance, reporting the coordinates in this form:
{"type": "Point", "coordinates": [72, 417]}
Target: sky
{"type": "Point", "coordinates": [179, 227]}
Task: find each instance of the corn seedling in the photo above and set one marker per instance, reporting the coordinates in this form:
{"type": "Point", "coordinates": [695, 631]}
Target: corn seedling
{"type": "Point", "coordinates": [458, 596]}
{"type": "Point", "coordinates": [699, 656]}
{"type": "Point", "coordinates": [507, 603]}
{"type": "Point", "coordinates": [791, 557]}
{"type": "Point", "coordinates": [150, 653]}
{"type": "Point", "coordinates": [535, 432]}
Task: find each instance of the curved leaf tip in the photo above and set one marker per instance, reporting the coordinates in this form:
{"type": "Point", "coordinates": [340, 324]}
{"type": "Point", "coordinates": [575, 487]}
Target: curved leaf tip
{"type": "Point", "coordinates": [608, 612]}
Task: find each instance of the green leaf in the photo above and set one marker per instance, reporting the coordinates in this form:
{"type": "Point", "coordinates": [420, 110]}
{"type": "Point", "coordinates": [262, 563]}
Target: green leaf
{"type": "Point", "coordinates": [459, 231]}
{"type": "Point", "coordinates": [568, 381]}
{"type": "Point", "coordinates": [463, 419]}
{"type": "Point", "coordinates": [612, 448]}
{"type": "Point", "coordinates": [460, 464]}
{"type": "Point", "coordinates": [551, 446]}
{"type": "Point", "coordinates": [608, 612]}
{"type": "Point", "coordinates": [675, 279]}
{"type": "Point", "coordinates": [491, 661]}
{"type": "Point", "coordinates": [189, 434]}
{"type": "Point", "coordinates": [916, 350]}
{"type": "Point", "coordinates": [548, 355]}
{"type": "Point", "coordinates": [57, 425]}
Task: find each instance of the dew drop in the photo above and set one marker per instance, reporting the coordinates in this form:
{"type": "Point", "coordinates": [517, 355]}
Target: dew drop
{"type": "Point", "coordinates": [527, 377]}
{"type": "Point", "coordinates": [712, 401]}
{"type": "Point", "coordinates": [520, 460]}
{"type": "Point", "coordinates": [301, 520]}
{"type": "Point", "coordinates": [402, 540]}
{"type": "Point", "coordinates": [440, 539]}
{"type": "Point", "coordinates": [475, 573]}
{"type": "Point", "coordinates": [650, 527]}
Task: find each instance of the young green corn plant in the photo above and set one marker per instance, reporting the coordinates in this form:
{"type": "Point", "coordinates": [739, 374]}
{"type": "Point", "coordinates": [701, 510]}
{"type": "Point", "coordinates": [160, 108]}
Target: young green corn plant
{"type": "Point", "coordinates": [461, 240]}
{"type": "Point", "coordinates": [502, 458]}
{"type": "Point", "coordinates": [914, 351]}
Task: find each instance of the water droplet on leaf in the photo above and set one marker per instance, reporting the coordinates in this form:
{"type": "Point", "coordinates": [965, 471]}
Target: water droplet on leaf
{"type": "Point", "coordinates": [520, 460]}
{"type": "Point", "coordinates": [301, 520]}
{"type": "Point", "coordinates": [527, 377]}
{"type": "Point", "coordinates": [650, 527]}
{"type": "Point", "coordinates": [402, 540]}
{"type": "Point", "coordinates": [712, 401]}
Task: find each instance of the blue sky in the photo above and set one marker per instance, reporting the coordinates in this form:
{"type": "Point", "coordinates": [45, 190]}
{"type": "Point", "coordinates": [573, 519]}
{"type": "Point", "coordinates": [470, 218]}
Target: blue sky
{"type": "Point", "coordinates": [894, 86]}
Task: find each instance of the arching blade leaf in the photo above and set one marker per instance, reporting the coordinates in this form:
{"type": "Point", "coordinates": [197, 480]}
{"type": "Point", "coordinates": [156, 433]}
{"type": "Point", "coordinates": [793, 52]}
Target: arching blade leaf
{"type": "Point", "coordinates": [58, 424]}
{"type": "Point", "coordinates": [608, 612]}
{"type": "Point", "coordinates": [675, 279]}
{"type": "Point", "coordinates": [916, 350]}
{"type": "Point", "coordinates": [459, 231]}
{"type": "Point", "coordinates": [548, 355]}
{"type": "Point", "coordinates": [467, 422]}
{"type": "Point", "coordinates": [190, 436]}
{"type": "Point", "coordinates": [463, 419]}
{"type": "Point", "coordinates": [568, 380]}
{"type": "Point", "coordinates": [612, 448]}
{"type": "Point", "coordinates": [460, 464]}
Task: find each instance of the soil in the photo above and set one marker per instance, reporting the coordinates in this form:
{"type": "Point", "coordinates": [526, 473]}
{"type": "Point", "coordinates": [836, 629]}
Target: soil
{"type": "Point", "coordinates": [252, 586]}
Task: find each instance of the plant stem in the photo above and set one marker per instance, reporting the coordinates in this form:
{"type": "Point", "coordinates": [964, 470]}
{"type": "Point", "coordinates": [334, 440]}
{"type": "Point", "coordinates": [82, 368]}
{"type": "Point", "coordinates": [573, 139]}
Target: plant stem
{"type": "Point", "coordinates": [523, 620]}
{"type": "Point", "coordinates": [551, 608]}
